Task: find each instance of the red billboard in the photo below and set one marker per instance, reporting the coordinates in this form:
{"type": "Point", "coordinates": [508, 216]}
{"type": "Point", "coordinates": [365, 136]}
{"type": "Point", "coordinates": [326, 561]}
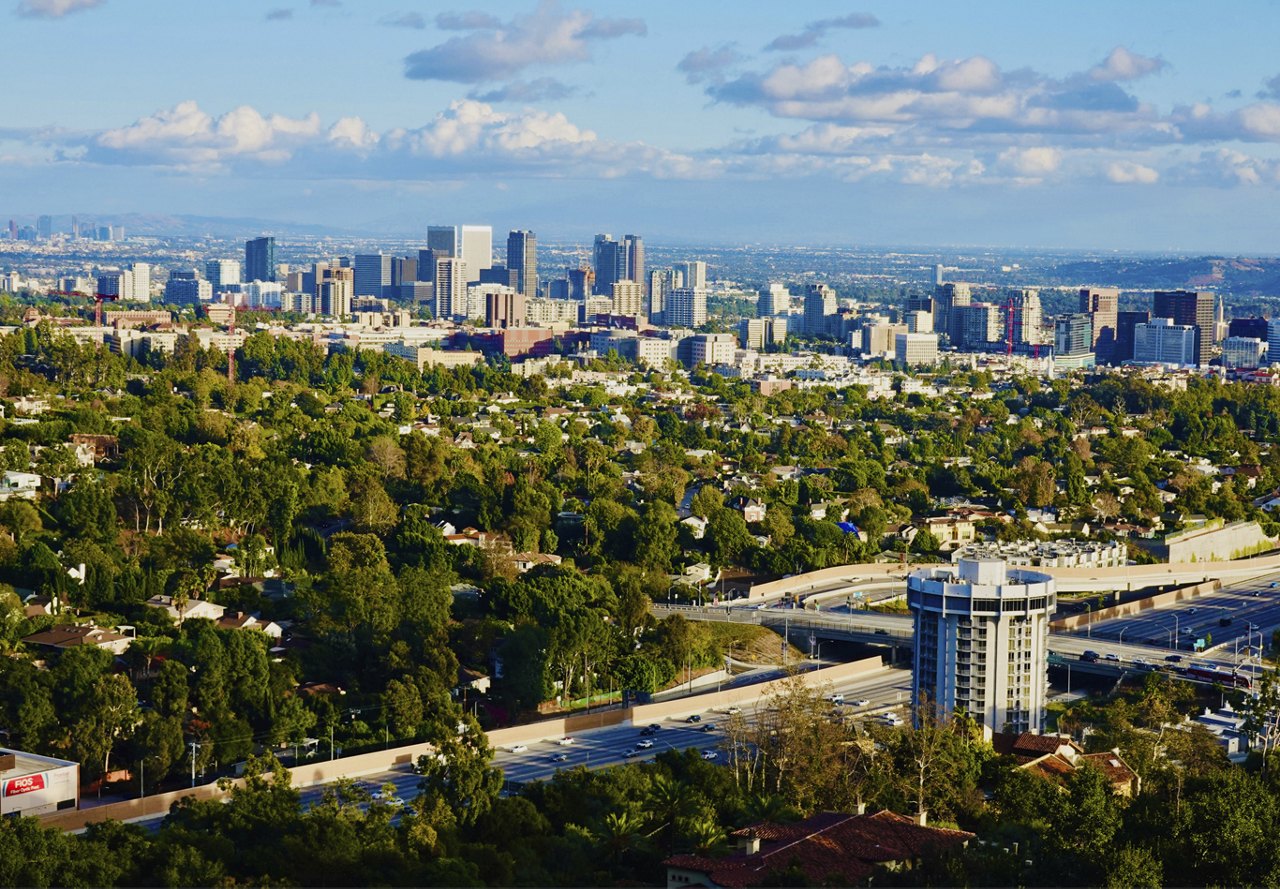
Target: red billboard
{"type": "Point", "coordinates": [26, 784]}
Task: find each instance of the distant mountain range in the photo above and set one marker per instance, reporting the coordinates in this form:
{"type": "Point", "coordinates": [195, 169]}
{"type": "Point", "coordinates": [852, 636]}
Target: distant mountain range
{"type": "Point", "coordinates": [1236, 275]}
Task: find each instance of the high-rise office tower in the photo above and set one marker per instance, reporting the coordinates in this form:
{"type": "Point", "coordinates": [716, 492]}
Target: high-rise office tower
{"type": "Point", "coordinates": [260, 259]}
{"type": "Point", "coordinates": [1102, 304]}
{"type": "Point", "coordinates": [695, 274]}
{"type": "Point", "coordinates": [116, 283]}
{"type": "Point", "coordinates": [477, 250]}
{"type": "Point", "coordinates": [1192, 308]}
{"type": "Point", "coordinates": [819, 307]}
{"type": "Point", "coordinates": [1073, 336]}
{"type": "Point", "coordinates": [919, 302]}
{"type": "Point", "coordinates": [404, 270]}
{"type": "Point", "coordinates": [44, 227]}
{"type": "Point", "coordinates": [75, 228]}
{"type": "Point", "coordinates": [427, 263]}
{"type": "Point", "coordinates": [1126, 324]}
{"type": "Point", "coordinates": [1257, 328]}
{"type": "Point", "coordinates": [628, 299]}
{"type": "Point", "coordinates": [443, 240]}
{"type": "Point", "coordinates": [372, 274]}
{"type": "Point", "coordinates": [1243, 352]}
{"type": "Point", "coordinates": [686, 307]}
{"type": "Point", "coordinates": [335, 288]}
{"type": "Point", "coordinates": [609, 259]}
{"type": "Point", "coordinates": [522, 258]}
{"type": "Point", "coordinates": [451, 287]}
{"type": "Point", "coordinates": [982, 643]}
{"type": "Point", "coordinates": [582, 283]}
{"type": "Point", "coordinates": [947, 298]}
{"type": "Point", "coordinates": [222, 272]}
{"type": "Point", "coordinates": [1273, 341]}
{"type": "Point", "coordinates": [775, 299]}
{"type": "Point", "coordinates": [184, 288]}
{"type": "Point", "coordinates": [1026, 315]}
{"type": "Point", "coordinates": [660, 284]}
{"type": "Point", "coordinates": [634, 247]}
{"type": "Point", "coordinates": [1160, 341]}
{"type": "Point", "coordinates": [938, 269]}
{"type": "Point", "coordinates": [136, 283]}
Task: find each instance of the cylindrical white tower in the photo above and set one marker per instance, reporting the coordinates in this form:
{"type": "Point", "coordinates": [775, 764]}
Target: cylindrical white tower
{"type": "Point", "coordinates": [982, 642]}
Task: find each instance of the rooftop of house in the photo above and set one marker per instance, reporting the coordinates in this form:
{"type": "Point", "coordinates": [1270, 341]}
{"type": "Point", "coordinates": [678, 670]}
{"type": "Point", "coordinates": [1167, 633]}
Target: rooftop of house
{"type": "Point", "coordinates": [829, 845]}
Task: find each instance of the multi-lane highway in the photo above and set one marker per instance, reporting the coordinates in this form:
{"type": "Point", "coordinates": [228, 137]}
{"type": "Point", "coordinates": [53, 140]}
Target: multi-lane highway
{"type": "Point", "coordinates": [1234, 617]}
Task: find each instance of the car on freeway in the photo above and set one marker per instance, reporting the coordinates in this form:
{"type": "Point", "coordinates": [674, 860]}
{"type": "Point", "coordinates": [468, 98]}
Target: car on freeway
{"type": "Point", "coordinates": [1173, 659]}
{"type": "Point", "coordinates": [646, 732]}
{"type": "Point", "coordinates": [1111, 656]}
{"type": "Point", "coordinates": [653, 726]}
{"type": "Point", "coordinates": [709, 754]}
{"type": "Point", "coordinates": [629, 752]}
{"type": "Point", "coordinates": [517, 748]}
{"type": "Point", "coordinates": [1191, 611]}
{"type": "Point", "coordinates": [560, 757]}
{"type": "Point", "coordinates": [566, 741]}
{"type": "Point", "coordinates": [707, 727]}
{"type": "Point", "coordinates": [1253, 627]}
{"type": "Point", "coordinates": [881, 631]}
{"type": "Point", "coordinates": [861, 702]}
{"type": "Point", "coordinates": [892, 719]}
{"type": "Point", "coordinates": [644, 745]}
{"type": "Point", "coordinates": [1090, 656]}
{"type": "Point", "coordinates": [734, 711]}
{"type": "Point", "coordinates": [1274, 584]}
{"type": "Point", "coordinates": [694, 718]}
{"type": "Point", "coordinates": [837, 698]}
{"type": "Point", "coordinates": [388, 799]}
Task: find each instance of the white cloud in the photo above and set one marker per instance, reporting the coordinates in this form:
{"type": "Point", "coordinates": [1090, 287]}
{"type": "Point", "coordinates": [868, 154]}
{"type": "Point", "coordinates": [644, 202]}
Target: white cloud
{"type": "Point", "coordinates": [815, 31]}
{"type": "Point", "coordinates": [1131, 173]}
{"type": "Point", "coordinates": [1121, 64]}
{"type": "Point", "coordinates": [1031, 163]}
{"type": "Point", "coordinates": [54, 9]}
{"type": "Point", "coordinates": [496, 51]}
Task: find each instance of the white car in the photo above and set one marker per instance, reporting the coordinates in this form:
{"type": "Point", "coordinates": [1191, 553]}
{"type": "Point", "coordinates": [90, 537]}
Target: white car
{"type": "Point", "coordinates": [566, 741]}
{"type": "Point", "coordinates": [388, 799]}
{"type": "Point", "coordinates": [518, 748]}
{"type": "Point", "coordinates": [733, 711]}
{"type": "Point", "coordinates": [837, 698]}
{"type": "Point", "coordinates": [862, 702]}
{"type": "Point", "coordinates": [644, 744]}
{"type": "Point", "coordinates": [709, 754]}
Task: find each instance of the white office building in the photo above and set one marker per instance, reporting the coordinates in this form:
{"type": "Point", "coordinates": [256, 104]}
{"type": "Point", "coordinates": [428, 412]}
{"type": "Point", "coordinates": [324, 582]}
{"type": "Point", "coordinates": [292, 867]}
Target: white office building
{"type": "Point", "coordinates": [1160, 341]}
{"type": "Point", "coordinates": [915, 349]}
{"type": "Point", "coordinates": [774, 300]}
{"type": "Point", "coordinates": [451, 287]}
{"type": "Point", "coordinates": [1244, 352]}
{"type": "Point", "coordinates": [221, 273]}
{"type": "Point", "coordinates": [686, 307]}
{"type": "Point", "coordinates": [982, 642]}
{"type": "Point", "coordinates": [477, 250]}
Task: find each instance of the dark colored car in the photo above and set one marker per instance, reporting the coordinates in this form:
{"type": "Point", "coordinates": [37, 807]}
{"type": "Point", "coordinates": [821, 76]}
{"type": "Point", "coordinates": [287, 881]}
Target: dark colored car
{"type": "Point", "coordinates": [1090, 657]}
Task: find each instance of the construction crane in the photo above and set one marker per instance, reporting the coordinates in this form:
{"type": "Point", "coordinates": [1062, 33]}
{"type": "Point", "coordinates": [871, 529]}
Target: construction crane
{"type": "Point", "coordinates": [1009, 327]}
{"type": "Point", "coordinates": [231, 348]}
{"type": "Point", "coordinates": [98, 298]}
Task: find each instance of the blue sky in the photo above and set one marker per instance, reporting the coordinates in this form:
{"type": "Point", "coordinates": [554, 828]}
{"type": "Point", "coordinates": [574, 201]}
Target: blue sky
{"type": "Point", "coordinates": [1141, 125]}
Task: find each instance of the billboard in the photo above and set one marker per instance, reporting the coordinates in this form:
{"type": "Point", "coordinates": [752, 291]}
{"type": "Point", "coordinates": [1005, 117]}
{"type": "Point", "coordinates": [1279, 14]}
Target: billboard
{"type": "Point", "coordinates": [38, 793]}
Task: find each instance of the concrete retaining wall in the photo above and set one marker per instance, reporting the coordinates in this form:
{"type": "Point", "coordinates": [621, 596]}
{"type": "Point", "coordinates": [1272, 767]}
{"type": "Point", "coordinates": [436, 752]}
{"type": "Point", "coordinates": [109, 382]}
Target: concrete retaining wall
{"type": "Point", "coordinates": [324, 771]}
{"type": "Point", "coordinates": [1136, 606]}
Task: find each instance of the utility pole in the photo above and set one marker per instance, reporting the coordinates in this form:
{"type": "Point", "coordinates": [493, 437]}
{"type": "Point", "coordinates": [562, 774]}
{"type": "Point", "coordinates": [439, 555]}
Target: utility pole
{"type": "Point", "coordinates": [194, 747]}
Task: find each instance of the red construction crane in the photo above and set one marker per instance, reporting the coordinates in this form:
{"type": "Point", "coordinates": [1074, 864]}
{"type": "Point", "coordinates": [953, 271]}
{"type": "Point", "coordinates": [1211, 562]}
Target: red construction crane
{"type": "Point", "coordinates": [98, 298]}
{"type": "Point", "coordinates": [231, 349]}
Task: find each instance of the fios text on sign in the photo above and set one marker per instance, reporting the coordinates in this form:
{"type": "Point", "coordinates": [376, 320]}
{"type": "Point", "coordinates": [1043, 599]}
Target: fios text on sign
{"type": "Point", "coordinates": [15, 786]}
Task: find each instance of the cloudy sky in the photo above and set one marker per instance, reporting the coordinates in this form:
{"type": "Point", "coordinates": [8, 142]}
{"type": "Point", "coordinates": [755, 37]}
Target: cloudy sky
{"type": "Point", "coordinates": [1136, 125]}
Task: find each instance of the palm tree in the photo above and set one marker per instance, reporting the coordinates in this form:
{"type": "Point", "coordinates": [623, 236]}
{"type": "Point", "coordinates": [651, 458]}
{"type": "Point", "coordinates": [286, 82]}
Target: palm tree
{"type": "Point", "coordinates": [621, 834]}
{"type": "Point", "coordinates": [668, 799]}
{"type": "Point", "coordinates": [705, 834]}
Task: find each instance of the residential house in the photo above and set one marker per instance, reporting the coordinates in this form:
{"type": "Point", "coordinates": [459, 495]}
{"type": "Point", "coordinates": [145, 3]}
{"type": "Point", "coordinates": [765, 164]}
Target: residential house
{"type": "Point", "coordinates": [19, 485]}
{"type": "Point", "coordinates": [524, 561]}
{"type": "Point", "coordinates": [238, 620]}
{"type": "Point", "coordinates": [752, 509]}
{"type": "Point", "coordinates": [1055, 757]}
{"type": "Point", "coordinates": [194, 608]}
{"type": "Point", "coordinates": [829, 848]}
{"type": "Point", "coordinates": [66, 636]}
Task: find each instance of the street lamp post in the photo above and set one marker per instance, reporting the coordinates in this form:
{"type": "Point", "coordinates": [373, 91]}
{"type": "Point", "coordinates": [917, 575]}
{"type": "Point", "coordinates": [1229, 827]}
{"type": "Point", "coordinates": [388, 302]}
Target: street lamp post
{"type": "Point", "coordinates": [1088, 619]}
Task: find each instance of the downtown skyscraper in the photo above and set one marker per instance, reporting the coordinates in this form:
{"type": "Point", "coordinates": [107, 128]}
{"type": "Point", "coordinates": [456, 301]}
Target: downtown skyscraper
{"type": "Point", "coordinates": [260, 259]}
{"type": "Point", "coordinates": [522, 258]}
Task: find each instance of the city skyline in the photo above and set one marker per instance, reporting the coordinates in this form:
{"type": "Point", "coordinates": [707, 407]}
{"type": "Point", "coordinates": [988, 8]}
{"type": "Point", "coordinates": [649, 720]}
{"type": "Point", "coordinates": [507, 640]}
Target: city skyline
{"type": "Point", "coordinates": [903, 125]}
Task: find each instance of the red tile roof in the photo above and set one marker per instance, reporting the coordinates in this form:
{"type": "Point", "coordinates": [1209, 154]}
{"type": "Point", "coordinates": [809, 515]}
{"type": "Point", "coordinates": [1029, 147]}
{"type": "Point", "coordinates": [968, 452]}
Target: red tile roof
{"type": "Point", "coordinates": [826, 845]}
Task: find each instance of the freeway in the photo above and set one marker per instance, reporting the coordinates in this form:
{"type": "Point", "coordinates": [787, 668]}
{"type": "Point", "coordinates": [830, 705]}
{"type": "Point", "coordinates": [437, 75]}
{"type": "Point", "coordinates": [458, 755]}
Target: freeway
{"type": "Point", "coordinates": [884, 689]}
{"type": "Point", "coordinates": [1233, 617]}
